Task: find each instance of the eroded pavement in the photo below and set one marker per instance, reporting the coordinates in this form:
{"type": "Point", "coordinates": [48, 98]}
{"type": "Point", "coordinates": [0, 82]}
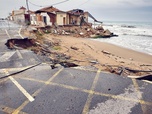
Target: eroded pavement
{"type": "Point", "coordinates": [39, 89]}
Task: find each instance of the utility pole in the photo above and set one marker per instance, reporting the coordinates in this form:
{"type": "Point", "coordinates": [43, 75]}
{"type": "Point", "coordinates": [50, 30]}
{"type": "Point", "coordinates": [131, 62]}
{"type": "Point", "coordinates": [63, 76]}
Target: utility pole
{"type": "Point", "coordinates": [27, 6]}
{"type": "Point", "coordinates": [27, 21]}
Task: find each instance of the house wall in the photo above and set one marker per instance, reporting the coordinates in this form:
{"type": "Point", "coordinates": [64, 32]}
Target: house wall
{"type": "Point", "coordinates": [75, 20]}
{"type": "Point", "coordinates": [19, 18]}
{"type": "Point", "coordinates": [33, 19]}
{"type": "Point", "coordinates": [18, 12]}
{"type": "Point", "coordinates": [60, 18]}
{"type": "Point", "coordinates": [39, 20]}
{"type": "Point", "coordinates": [52, 18]}
{"type": "Point", "coordinates": [86, 16]}
{"type": "Point", "coordinates": [47, 19]}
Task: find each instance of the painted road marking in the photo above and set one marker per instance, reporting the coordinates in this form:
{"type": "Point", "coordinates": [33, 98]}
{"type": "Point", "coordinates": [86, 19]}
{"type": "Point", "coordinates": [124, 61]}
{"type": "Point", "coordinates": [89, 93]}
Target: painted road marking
{"type": "Point", "coordinates": [19, 54]}
{"type": "Point", "coordinates": [6, 71]}
{"type": "Point", "coordinates": [19, 32]}
{"type": "Point", "coordinates": [7, 33]}
{"type": "Point", "coordinates": [72, 88]}
{"type": "Point", "coordinates": [90, 96]}
{"type": "Point", "coordinates": [6, 56]}
{"type": "Point", "coordinates": [88, 91]}
{"type": "Point", "coordinates": [8, 110]}
{"type": "Point", "coordinates": [139, 95]}
{"type": "Point", "coordinates": [37, 92]}
{"type": "Point", "coordinates": [31, 99]}
{"type": "Point", "coordinates": [84, 69]}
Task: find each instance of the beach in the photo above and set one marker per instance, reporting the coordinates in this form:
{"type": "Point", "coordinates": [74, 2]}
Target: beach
{"type": "Point", "coordinates": [87, 52]}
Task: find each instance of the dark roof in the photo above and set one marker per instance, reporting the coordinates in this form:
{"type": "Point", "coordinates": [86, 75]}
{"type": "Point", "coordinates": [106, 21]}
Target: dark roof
{"type": "Point", "coordinates": [23, 8]}
{"type": "Point", "coordinates": [76, 12]}
{"type": "Point", "coordinates": [48, 9]}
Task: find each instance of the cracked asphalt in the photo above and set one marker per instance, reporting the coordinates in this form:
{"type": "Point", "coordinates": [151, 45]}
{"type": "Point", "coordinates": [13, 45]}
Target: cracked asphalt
{"type": "Point", "coordinates": [28, 86]}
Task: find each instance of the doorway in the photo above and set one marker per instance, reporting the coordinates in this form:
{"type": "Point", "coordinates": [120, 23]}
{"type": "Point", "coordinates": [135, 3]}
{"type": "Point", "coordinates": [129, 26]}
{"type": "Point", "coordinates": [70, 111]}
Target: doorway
{"type": "Point", "coordinates": [45, 20]}
{"type": "Point", "coordinates": [64, 21]}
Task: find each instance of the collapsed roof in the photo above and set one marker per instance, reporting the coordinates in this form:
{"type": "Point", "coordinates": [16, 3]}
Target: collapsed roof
{"type": "Point", "coordinates": [48, 9]}
{"type": "Point", "coordinates": [76, 12]}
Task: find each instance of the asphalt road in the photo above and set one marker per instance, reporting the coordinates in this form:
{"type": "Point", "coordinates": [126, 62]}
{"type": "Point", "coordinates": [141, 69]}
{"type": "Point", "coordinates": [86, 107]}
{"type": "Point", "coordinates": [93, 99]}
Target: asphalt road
{"type": "Point", "coordinates": [38, 89]}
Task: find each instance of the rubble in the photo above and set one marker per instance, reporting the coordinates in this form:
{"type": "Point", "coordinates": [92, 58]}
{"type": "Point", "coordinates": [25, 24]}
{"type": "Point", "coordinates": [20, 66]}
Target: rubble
{"type": "Point", "coordinates": [44, 50]}
{"type": "Point", "coordinates": [77, 31]}
{"type": "Point", "coordinates": [46, 53]}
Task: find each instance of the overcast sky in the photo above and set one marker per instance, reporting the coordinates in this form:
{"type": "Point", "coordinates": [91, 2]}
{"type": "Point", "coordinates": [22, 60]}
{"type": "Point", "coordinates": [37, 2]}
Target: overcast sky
{"type": "Point", "coordinates": [103, 10]}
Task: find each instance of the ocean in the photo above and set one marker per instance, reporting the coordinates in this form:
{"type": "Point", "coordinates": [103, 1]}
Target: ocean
{"type": "Point", "coordinates": [133, 35]}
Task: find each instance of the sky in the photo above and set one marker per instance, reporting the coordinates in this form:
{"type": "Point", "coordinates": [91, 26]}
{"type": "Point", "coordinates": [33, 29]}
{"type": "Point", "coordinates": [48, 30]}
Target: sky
{"type": "Point", "coordinates": [102, 10]}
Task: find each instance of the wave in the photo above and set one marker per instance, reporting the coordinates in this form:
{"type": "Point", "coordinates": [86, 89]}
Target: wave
{"type": "Point", "coordinates": [128, 26]}
{"type": "Point", "coordinates": [143, 35]}
{"type": "Point", "coordinates": [137, 35]}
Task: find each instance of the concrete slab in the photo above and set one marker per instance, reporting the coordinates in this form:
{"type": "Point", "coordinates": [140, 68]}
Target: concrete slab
{"type": "Point", "coordinates": [5, 72]}
{"type": "Point", "coordinates": [18, 58]}
{"type": "Point", "coordinates": [2, 112]}
{"type": "Point", "coordinates": [41, 72]}
{"type": "Point", "coordinates": [76, 78]}
{"type": "Point", "coordinates": [145, 90]}
{"type": "Point", "coordinates": [56, 100]}
{"type": "Point", "coordinates": [10, 95]}
{"type": "Point", "coordinates": [105, 105]}
{"type": "Point", "coordinates": [136, 110]}
{"type": "Point", "coordinates": [112, 84]}
{"type": "Point", "coordinates": [27, 84]}
{"type": "Point", "coordinates": [69, 93]}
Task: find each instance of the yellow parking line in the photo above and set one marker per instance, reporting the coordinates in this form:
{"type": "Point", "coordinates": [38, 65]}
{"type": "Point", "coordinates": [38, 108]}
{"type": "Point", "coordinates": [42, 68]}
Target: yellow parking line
{"type": "Point", "coordinates": [47, 82]}
{"type": "Point", "coordinates": [123, 98]}
{"type": "Point", "coordinates": [7, 33]}
{"type": "Point", "coordinates": [90, 96]}
{"type": "Point", "coordinates": [83, 69]}
{"type": "Point", "coordinates": [19, 54]}
{"type": "Point", "coordinates": [139, 94]}
{"type": "Point", "coordinates": [36, 93]}
{"type": "Point", "coordinates": [31, 99]}
{"type": "Point", "coordinates": [89, 91]}
{"type": "Point", "coordinates": [19, 32]}
{"type": "Point", "coordinates": [9, 110]}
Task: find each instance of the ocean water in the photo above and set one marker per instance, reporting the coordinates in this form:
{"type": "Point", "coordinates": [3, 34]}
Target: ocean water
{"type": "Point", "coordinates": [133, 35]}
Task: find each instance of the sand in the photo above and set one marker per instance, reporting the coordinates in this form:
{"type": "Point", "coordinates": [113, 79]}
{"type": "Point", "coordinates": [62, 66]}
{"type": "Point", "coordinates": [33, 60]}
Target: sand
{"type": "Point", "coordinates": [87, 52]}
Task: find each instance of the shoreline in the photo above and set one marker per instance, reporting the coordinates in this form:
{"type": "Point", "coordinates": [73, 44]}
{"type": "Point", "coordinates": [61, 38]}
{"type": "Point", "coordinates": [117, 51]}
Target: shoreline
{"type": "Point", "coordinates": [102, 55]}
{"type": "Point", "coordinates": [123, 47]}
{"type": "Point", "coordinates": [129, 49]}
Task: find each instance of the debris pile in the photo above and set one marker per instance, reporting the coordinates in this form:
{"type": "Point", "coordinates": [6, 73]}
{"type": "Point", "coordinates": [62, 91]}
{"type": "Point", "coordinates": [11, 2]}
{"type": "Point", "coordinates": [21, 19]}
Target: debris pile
{"type": "Point", "coordinates": [45, 50]}
{"type": "Point", "coordinates": [77, 31]}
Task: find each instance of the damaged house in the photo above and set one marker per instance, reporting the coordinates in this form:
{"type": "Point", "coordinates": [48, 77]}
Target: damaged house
{"type": "Point", "coordinates": [77, 17]}
{"type": "Point", "coordinates": [49, 16]}
{"type": "Point", "coordinates": [21, 16]}
{"type": "Point", "coordinates": [45, 16]}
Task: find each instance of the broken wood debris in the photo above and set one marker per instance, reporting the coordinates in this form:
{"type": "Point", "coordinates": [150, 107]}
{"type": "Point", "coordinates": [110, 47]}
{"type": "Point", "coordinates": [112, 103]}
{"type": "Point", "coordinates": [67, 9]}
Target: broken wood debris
{"type": "Point", "coordinates": [44, 51]}
{"type": "Point", "coordinates": [106, 52]}
{"type": "Point", "coordinates": [74, 48]}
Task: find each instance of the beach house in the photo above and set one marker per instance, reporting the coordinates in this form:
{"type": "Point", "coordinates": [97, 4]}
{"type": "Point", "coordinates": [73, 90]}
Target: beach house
{"type": "Point", "coordinates": [52, 16]}
{"type": "Point", "coordinates": [21, 16]}
{"type": "Point", "coordinates": [45, 16]}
